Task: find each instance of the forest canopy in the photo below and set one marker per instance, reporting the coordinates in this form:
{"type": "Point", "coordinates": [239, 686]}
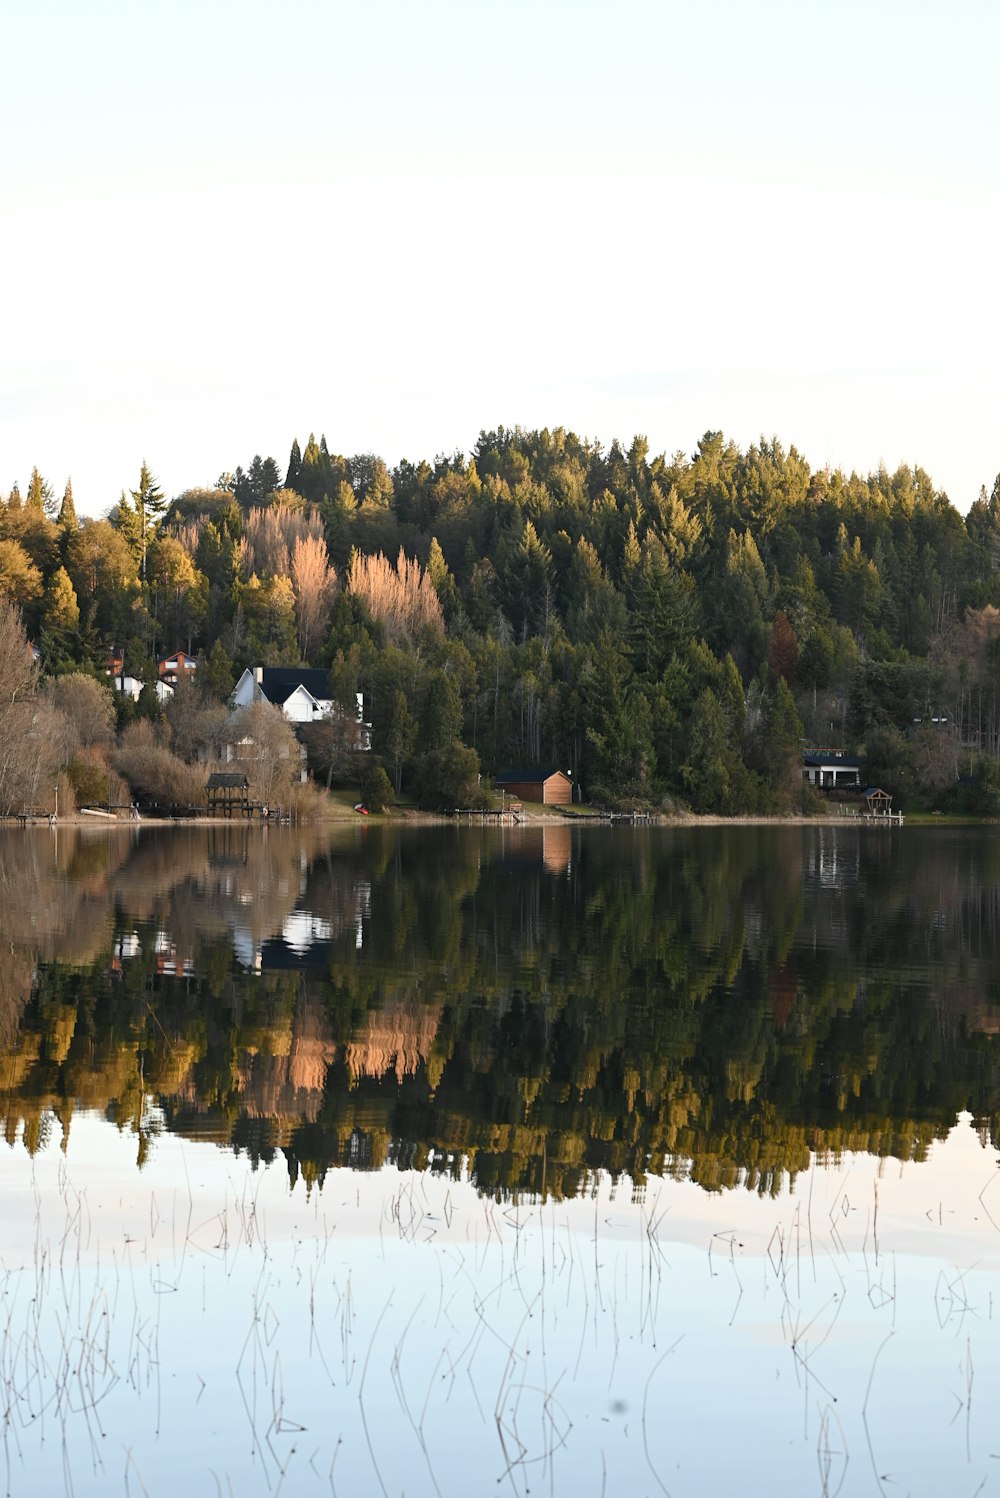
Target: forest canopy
{"type": "Point", "coordinates": [668, 629]}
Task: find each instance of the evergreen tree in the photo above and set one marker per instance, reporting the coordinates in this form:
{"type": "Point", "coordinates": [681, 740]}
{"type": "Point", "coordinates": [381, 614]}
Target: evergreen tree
{"type": "Point", "coordinates": [294, 466]}
{"type": "Point", "coordinates": [59, 633]}
{"type": "Point", "coordinates": [67, 510]}
{"type": "Point", "coordinates": [40, 496]}
{"type": "Point", "coordinates": [711, 775]}
{"type": "Point", "coordinates": [149, 507]}
{"type": "Point", "coordinates": [783, 743]}
{"type": "Point", "coordinates": [216, 675]}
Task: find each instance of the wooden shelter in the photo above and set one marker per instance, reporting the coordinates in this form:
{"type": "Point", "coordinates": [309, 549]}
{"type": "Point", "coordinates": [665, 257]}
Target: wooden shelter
{"type": "Point", "coordinates": [878, 802]}
{"type": "Point", "coordinates": [228, 792]}
{"type": "Point", "coordinates": [550, 787]}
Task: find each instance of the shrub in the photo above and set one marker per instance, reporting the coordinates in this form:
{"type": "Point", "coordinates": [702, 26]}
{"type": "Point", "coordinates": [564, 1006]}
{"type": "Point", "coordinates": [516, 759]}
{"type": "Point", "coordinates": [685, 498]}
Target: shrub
{"type": "Point", "coordinates": [94, 782]}
{"type": "Point", "coordinates": [157, 777]}
{"type": "Point", "coordinates": [376, 789]}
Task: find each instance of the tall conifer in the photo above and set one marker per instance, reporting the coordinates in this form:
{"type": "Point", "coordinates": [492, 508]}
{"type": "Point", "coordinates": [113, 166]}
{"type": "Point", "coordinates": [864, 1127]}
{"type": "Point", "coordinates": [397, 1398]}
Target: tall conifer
{"type": "Point", "coordinates": [67, 510]}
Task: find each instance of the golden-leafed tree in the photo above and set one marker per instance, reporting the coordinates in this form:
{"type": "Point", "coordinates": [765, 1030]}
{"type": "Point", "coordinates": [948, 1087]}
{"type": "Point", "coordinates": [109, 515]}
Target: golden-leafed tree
{"type": "Point", "coordinates": [20, 579]}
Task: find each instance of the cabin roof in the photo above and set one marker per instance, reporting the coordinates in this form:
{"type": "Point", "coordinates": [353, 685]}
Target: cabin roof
{"type": "Point", "coordinates": [227, 780]}
{"type": "Point", "coordinates": [526, 776]}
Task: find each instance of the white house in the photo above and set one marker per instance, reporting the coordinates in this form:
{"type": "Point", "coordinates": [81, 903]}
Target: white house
{"type": "Point", "coordinates": [828, 769]}
{"type": "Point", "coordinates": [302, 693]}
{"type": "Point", "coordinates": [129, 686]}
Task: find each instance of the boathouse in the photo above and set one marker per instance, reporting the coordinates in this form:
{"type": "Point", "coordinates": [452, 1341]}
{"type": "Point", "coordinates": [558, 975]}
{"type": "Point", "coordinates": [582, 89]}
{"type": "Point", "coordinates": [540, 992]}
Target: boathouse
{"type": "Point", "coordinates": [550, 787]}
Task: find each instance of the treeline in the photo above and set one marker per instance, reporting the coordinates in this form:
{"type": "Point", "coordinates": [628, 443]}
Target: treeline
{"type": "Point", "coordinates": [667, 629]}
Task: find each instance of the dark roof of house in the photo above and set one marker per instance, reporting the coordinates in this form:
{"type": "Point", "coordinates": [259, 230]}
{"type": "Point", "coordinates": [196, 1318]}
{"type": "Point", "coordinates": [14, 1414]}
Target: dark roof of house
{"type": "Point", "coordinates": [227, 780]}
{"type": "Point", "coordinates": [840, 761]}
{"type": "Point", "coordinates": [279, 682]}
{"type": "Point", "coordinates": [525, 777]}
{"type": "Point", "coordinates": [277, 955]}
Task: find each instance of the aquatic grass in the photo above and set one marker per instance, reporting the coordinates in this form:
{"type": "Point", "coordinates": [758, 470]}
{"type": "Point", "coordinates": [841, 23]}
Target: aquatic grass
{"type": "Point", "coordinates": [552, 1345]}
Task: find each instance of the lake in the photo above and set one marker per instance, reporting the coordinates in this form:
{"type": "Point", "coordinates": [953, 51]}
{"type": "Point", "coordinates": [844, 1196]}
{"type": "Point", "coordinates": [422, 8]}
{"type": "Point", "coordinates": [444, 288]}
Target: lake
{"type": "Point", "coordinates": [564, 1160]}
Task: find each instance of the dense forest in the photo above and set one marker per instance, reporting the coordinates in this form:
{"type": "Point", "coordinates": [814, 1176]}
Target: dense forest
{"type": "Point", "coordinates": [672, 631]}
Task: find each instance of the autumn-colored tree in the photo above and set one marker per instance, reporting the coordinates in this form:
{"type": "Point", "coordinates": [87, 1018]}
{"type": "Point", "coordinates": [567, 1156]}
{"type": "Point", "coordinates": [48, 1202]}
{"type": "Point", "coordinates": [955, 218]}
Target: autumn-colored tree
{"type": "Point", "coordinates": [270, 536]}
{"type": "Point", "coordinates": [401, 598]}
{"type": "Point", "coordinates": [313, 580]}
{"type": "Point", "coordinates": [784, 652]}
{"type": "Point", "coordinates": [20, 579]}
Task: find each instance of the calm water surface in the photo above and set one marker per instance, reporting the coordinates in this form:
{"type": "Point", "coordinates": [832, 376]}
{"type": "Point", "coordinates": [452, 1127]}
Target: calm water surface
{"type": "Point", "coordinates": [556, 1160]}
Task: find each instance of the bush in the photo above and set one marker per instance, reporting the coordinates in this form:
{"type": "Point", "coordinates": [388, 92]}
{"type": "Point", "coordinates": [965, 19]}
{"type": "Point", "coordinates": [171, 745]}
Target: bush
{"type": "Point", "coordinates": [158, 779]}
{"type": "Point", "coordinates": [449, 777]}
{"type": "Point", "coordinates": [376, 789]}
{"type": "Point", "coordinates": [94, 782]}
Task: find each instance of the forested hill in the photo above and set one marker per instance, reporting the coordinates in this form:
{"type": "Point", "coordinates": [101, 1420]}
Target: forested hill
{"type": "Point", "coordinates": [662, 627]}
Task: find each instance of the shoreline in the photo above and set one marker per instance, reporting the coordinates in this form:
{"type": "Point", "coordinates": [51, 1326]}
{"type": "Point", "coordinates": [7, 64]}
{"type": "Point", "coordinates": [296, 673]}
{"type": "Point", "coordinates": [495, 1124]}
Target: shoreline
{"type": "Point", "coordinates": [543, 817]}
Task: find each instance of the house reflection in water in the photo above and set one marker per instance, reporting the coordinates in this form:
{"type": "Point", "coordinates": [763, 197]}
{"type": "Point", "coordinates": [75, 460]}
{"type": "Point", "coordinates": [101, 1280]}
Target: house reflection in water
{"type": "Point", "coordinates": [305, 942]}
{"type": "Point", "coordinates": [552, 847]}
{"type": "Point", "coordinates": [557, 849]}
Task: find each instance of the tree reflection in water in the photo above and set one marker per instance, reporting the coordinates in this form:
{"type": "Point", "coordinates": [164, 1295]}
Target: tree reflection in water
{"type": "Point", "coordinates": [529, 1006]}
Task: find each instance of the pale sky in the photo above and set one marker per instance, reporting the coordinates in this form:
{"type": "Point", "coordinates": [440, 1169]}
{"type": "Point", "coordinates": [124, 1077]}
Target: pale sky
{"type": "Point", "coordinates": [224, 225]}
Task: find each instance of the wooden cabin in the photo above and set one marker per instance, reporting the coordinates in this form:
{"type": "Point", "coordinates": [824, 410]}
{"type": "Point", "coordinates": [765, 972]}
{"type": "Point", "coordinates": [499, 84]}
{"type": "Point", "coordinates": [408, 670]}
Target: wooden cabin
{"type": "Point", "coordinates": [550, 787]}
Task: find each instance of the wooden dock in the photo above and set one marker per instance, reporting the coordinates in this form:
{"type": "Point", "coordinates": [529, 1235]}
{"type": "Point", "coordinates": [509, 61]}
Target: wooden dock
{"type": "Point", "coordinates": [872, 818]}
{"type": "Point", "coordinates": [489, 816]}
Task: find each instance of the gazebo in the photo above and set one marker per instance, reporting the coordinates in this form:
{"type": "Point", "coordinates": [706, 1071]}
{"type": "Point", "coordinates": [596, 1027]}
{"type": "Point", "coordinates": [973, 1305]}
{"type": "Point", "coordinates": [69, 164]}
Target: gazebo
{"type": "Point", "coordinates": [228, 791]}
{"type": "Point", "coordinates": [878, 802]}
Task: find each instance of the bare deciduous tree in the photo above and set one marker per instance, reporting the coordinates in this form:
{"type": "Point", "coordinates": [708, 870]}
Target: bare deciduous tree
{"type": "Point", "coordinates": [270, 536]}
{"type": "Point", "coordinates": [266, 749]}
{"type": "Point", "coordinates": [401, 598]}
{"type": "Point", "coordinates": [313, 580]}
{"type": "Point", "coordinates": [32, 732]}
{"type": "Point", "coordinates": [88, 705]}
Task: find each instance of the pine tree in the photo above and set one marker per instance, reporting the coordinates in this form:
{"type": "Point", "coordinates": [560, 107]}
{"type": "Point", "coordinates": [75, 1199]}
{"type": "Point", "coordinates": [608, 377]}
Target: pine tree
{"type": "Point", "coordinates": [61, 607]}
{"type": "Point", "coordinates": [294, 466]}
{"type": "Point", "coordinates": [67, 510]}
{"type": "Point", "coordinates": [58, 638]}
{"type": "Point", "coordinates": [783, 743]}
{"type": "Point", "coordinates": [216, 676]}
{"type": "Point", "coordinates": [40, 496]}
{"type": "Point", "coordinates": [150, 506]}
